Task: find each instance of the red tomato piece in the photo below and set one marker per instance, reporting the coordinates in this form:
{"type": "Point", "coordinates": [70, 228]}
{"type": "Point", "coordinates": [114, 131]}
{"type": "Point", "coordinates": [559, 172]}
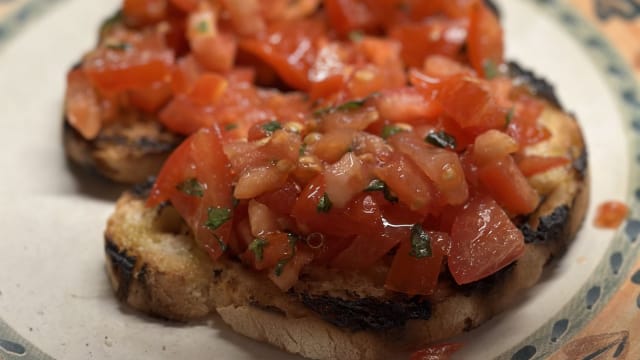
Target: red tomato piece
{"type": "Point", "coordinates": [131, 61]}
{"type": "Point", "coordinates": [408, 182]}
{"type": "Point", "coordinates": [208, 89]}
{"type": "Point", "coordinates": [485, 44]}
{"type": "Point", "coordinates": [532, 164]}
{"type": "Point", "coordinates": [493, 145]}
{"type": "Point", "coordinates": [215, 53]}
{"type": "Point", "coordinates": [441, 166]}
{"type": "Point", "coordinates": [470, 103]}
{"type": "Point", "coordinates": [144, 12]}
{"type": "Point", "coordinates": [436, 352]}
{"type": "Point", "coordinates": [434, 36]}
{"type": "Point", "coordinates": [504, 181]}
{"type": "Point", "coordinates": [406, 105]}
{"type": "Point", "coordinates": [412, 275]}
{"type": "Point", "coordinates": [611, 214]}
{"type": "Point", "coordinates": [186, 5]}
{"type": "Point", "coordinates": [286, 276]}
{"type": "Point", "coordinates": [82, 105]}
{"type": "Point", "coordinates": [282, 200]}
{"type": "Point", "coordinates": [349, 15]}
{"type": "Point", "coordinates": [184, 117]}
{"type": "Point", "coordinates": [524, 125]}
{"type": "Point", "coordinates": [483, 241]}
{"type": "Point", "coordinates": [151, 99]}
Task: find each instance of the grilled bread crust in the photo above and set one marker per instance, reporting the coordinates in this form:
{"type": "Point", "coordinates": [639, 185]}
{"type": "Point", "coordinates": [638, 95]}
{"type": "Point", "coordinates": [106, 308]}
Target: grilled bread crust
{"type": "Point", "coordinates": [155, 267]}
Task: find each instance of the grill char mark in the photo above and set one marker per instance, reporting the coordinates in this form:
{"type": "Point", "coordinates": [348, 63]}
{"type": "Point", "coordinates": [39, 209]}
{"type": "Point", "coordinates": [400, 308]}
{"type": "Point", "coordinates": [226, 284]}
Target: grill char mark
{"type": "Point", "coordinates": [368, 313]}
{"type": "Point", "coordinates": [124, 266]}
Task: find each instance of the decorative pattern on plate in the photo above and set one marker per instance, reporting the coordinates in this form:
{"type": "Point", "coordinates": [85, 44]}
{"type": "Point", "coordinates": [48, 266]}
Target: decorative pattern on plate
{"type": "Point", "coordinates": [602, 320]}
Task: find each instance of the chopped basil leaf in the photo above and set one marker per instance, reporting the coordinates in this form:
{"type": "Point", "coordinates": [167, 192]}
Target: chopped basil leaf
{"type": "Point", "coordinates": [348, 106]}
{"type": "Point", "coordinates": [223, 246]}
{"type": "Point", "coordinates": [303, 149]}
{"type": "Point", "coordinates": [257, 247]}
{"type": "Point", "coordinates": [234, 202]}
{"type": "Point", "coordinates": [121, 46]}
{"type": "Point", "coordinates": [379, 185]}
{"type": "Point", "coordinates": [420, 242]}
{"type": "Point", "coordinates": [230, 126]}
{"type": "Point", "coordinates": [271, 126]}
{"type": "Point", "coordinates": [490, 68]}
{"type": "Point", "coordinates": [217, 216]}
{"type": "Point", "coordinates": [293, 239]}
{"type": "Point", "coordinates": [202, 26]}
{"type": "Point", "coordinates": [441, 139]}
{"type": "Point", "coordinates": [390, 130]}
{"type": "Point", "coordinates": [325, 204]}
{"type": "Point", "coordinates": [509, 117]}
{"type": "Point", "coordinates": [376, 185]}
{"type": "Point", "coordinates": [356, 36]}
{"type": "Point", "coordinates": [191, 187]}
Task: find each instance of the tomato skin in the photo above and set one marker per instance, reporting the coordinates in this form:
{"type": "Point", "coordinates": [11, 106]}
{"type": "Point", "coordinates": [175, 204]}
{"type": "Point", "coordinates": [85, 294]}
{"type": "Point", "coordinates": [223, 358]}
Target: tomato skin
{"type": "Point", "coordinates": [144, 12]}
{"type": "Point", "coordinates": [469, 102]}
{"type": "Point", "coordinates": [483, 241]}
{"type": "Point", "coordinates": [144, 61]}
{"type": "Point", "coordinates": [199, 157]}
{"type": "Point", "coordinates": [82, 105]}
{"type": "Point", "coordinates": [434, 36]}
{"type": "Point", "coordinates": [508, 186]}
{"type": "Point", "coordinates": [485, 43]}
{"type": "Point", "coordinates": [417, 276]}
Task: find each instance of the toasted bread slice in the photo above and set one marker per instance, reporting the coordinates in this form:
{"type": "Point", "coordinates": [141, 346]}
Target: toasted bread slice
{"type": "Point", "coordinates": [155, 267]}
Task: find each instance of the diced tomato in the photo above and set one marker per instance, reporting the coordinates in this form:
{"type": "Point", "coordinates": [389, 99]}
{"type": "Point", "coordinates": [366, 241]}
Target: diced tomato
{"type": "Point", "coordinates": [493, 145]}
{"type": "Point", "coordinates": [415, 275]}
{"type": "Point", "coordinates": [144, 12]}
{"type": "Point", "coordinates": [333, 145]}
{"type": "Point", "coordinates": [358, 119]}
{"type": "Point", "coordinates": [283, 199]}
{"type": "Point", "coordinates": [289, 48]}
{"type": "Point", "coordinates": [434, 36]}
{"type": "Point", "coordinates": [274, 247]}
{"type": "Point", "coordinates": [314, 213]}
{"type": "Point", "coordinates": [182, 116]}
{"type": "Point", "coordinates": [245, 16]}
{"type": "Point", "coordinates": [151, 99]}
{"type": "Point", "coordinates": [208, 89]}
{"type": "Point", "coordinates": [364, 251]}
{"type": "Point", "coordinates": [441, 67]}
{"type": "Point", "coordinates": [505, 182]}
{"type": "Point", "coordinates": [485, 45]}
{"type": "Point", "coordinates": [345, 179]}
{"type": "Point", "coordinates": [611, 214]}
{"type": "Point", "coordinates": [469, 102]}
{"type": "Point", "coordinates": [186, 5]}
{"type": "Point", "coordinates": [525, 126]}
{"type": "Point", "coordinates": [436, 352]}
{"type": "Point", "coordinates": [129, 61]}
{"type": "Point", "coordinates": [532, 164]}
{"type": "Point", "coordinates": [484, 240]}
{"type": "Point", "coordinates": [286, 276]}
{"type": "Point", "coordinates": [285, 10]}
{"type": "Point", "coordinates": [349, 15]}
{"type": "Point", "coordinates": [215, 53]}
{"type": "Point", "coordinates": [441, 166]}
{"type": "Point", "coordinates": [406, 105]}
{"type": "Point", "coordinates": [82, 105]}
{"type": "Point", "coordinates": [261, 218]}
{"type": "Point", "coordinates": [407, 181]}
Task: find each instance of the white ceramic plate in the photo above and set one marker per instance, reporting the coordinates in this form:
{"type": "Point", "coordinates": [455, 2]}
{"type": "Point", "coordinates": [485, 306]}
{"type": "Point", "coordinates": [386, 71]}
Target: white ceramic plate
{"type": "Point", "coordinates": [53, 287]}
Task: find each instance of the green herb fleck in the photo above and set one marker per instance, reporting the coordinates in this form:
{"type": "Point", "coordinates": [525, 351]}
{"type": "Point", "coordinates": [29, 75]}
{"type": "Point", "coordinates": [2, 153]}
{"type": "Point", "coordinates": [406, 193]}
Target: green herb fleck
{"type": "Point", "coordinates": [202, 26]}
{"type": "Point", "coordinates": [293, 239]}
{"type": "Point", "coordinates": [356, 36]}
{"type": "Point", "coordinates": [234, 202]}
{"type": "Point", "coordinates": [222, 244]}
{"type": "Point", "coordinates": [111, 22]}
{"type": "Point", "coordinates": [441, 139]}
{"type": "Point", "coordinates": [257, 247]}
{"type": "Point", "coordinates": [217, 216]}
{"type": "Point", "coordinates": [390, 130]}
{"type": "Point", "coordinates": [348, 106]}
{"type": "Point", "coordinates": [303, 149]}
{"type": "Point", "coordinates": [509, 118]}
{"type": "Point", "coordinates": [420, 242]}
{"type": "Point", "coordinates": [271, 127]}
{"type": "Point", "coordinates": [379, 185]}
{"type": "Point", "coordinates": [230, 126]}
{"type": "Point", "coordinates": [490, 68]}
{"type": "Point", "coordinates": [325, 204]}
{"type": "Point", "coordinates": [191, 187]}
{"type": "Point", "coordinates": [121, 46]}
